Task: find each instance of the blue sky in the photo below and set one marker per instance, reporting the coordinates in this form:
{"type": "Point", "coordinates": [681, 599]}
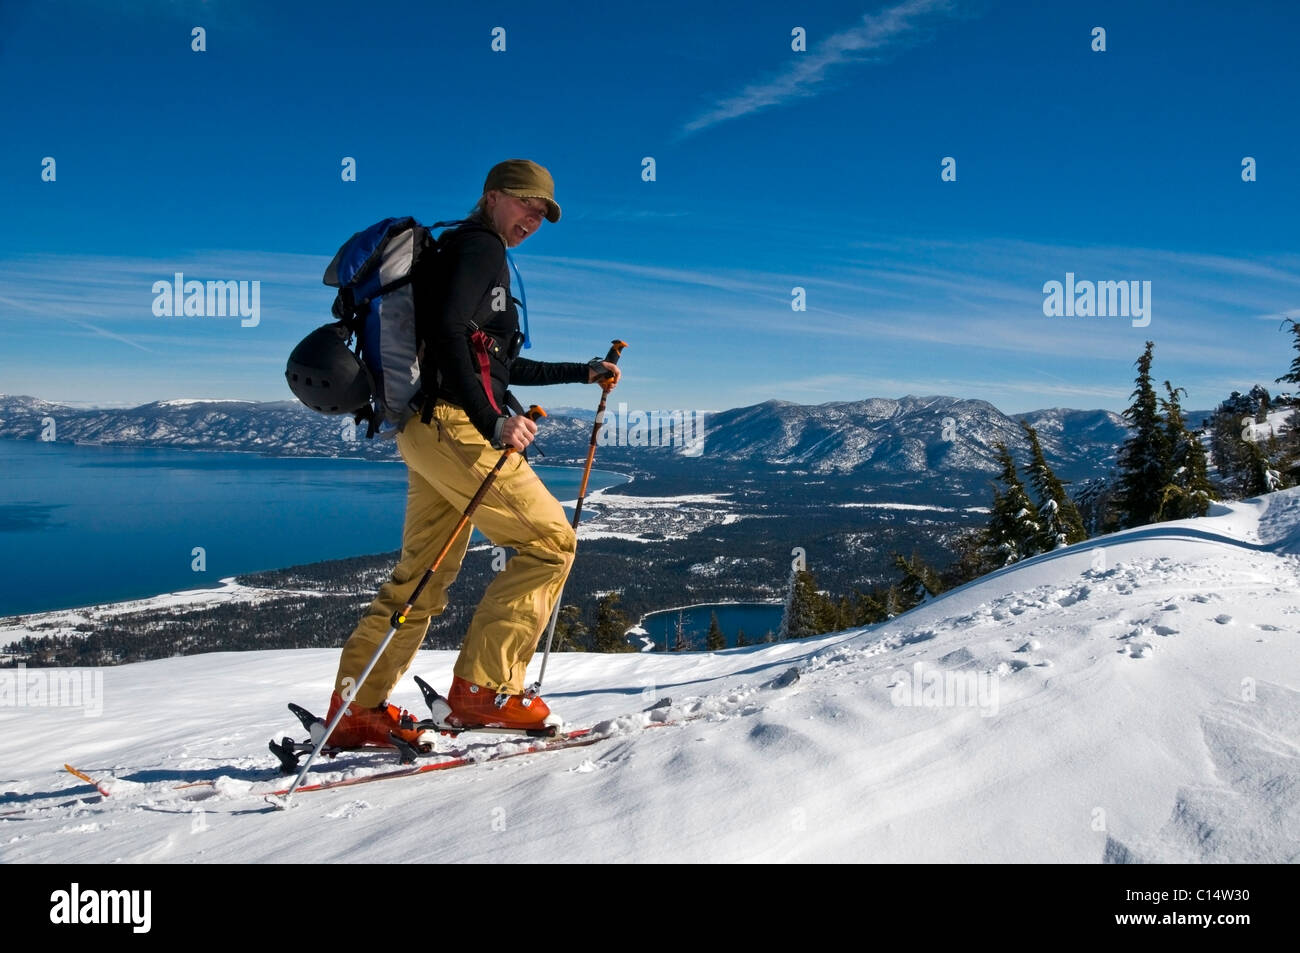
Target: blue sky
{"type": "Point", "coordinates": [775, 169]}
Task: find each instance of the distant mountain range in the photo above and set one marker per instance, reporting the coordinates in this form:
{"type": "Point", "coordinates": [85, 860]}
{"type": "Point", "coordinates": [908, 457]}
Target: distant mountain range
{"type": "Point", "coordinates": [909, 437]}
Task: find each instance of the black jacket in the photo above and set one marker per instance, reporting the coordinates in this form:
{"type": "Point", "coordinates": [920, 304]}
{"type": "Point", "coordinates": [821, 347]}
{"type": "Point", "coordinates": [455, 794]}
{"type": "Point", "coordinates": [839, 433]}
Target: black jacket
{"type": "Point", "coordinates": [454, 295]}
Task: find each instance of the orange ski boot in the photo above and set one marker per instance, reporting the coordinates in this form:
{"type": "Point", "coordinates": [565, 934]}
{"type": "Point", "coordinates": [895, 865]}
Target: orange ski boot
{"type": "Point", "coordinates": [473, 706]}
{"type": "Point", "coordinates": [362, 727]}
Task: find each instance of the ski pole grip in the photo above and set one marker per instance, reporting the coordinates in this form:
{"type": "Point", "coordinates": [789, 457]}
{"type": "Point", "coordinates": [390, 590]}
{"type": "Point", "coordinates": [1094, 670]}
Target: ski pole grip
{"type": "Point", "coordinates": [615, 349]}
{"type": "Point", "coordinates": [533, 413]}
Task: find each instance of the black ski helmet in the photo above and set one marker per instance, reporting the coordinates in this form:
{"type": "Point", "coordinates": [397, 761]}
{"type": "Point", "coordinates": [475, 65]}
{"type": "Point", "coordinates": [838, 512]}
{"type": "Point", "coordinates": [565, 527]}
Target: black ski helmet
{"type": "Point", "coordinates": [325, 375]}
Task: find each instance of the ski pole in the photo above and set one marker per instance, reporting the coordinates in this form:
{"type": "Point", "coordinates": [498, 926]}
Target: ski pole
{"type": "Point", "coordinates": [399, 615]}
{"type": "Point", "coordinates": [616, 348]}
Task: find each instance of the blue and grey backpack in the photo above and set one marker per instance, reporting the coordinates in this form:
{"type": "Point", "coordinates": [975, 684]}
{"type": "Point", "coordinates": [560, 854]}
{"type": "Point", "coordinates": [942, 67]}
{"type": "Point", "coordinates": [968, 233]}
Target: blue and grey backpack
{"type": "Point", "coordinates": [378, 379]}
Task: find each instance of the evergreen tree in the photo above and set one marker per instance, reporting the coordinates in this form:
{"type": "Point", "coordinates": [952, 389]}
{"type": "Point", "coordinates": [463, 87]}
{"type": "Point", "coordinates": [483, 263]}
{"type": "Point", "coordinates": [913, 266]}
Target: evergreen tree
{"type": "Point", "coordinates": [1200, 492]}
{"type": "Point", "coordinates": [1013, 531]}
{"type": "Point", "coordinates": [1229, 451]}
{"type": "Point", "coordinates": [804, 614]}
{"type": "Point", "coordinates": [920, 582]}
{"type": "Point", "coordinates": [570, 630]}
{"type": "Point", "coordinates": [827, 612]}
{"type": "Point", "coordinates": [1245, 465]}
{"type": "Point", "coordinates": [740, 637]}
{"type": "Point", "coordinates": [1095, 499]}
{"type": "Point", "coordinates": [1059, 518]}
{"type": "Point", "coordinates": [1261, 401]}
{"type": "Point", "coordinates": [791, 586]}
{"type": "Point", "coordinates": [843, 615]}
{"type": "Point", "coordinates": [892, 602]}
{"type": "Point", "coordinates": [1276, 479]}
{"type": "Point", "coordinates": [612, 624]}
{"type": "Point", "coordinates": [1144, 458]}
{"type": "Point", "coordinates": [714, 640]}
{"type": "Point", "coordinates": [868, 609]}
{"type": "Point", "coordinates": [1187, 491]}
{"type": "Point", "coordinates": [1290, 458]}
{"type": "Point", "coordinates": [972, 549]}
{"type": "Point", "coordinates": [1260, 476]}
{"type": "Point", "coordinates": [1293, 375]}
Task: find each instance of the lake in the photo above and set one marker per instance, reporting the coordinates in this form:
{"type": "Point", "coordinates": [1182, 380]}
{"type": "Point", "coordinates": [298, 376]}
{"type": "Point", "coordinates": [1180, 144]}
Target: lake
{"type": "Point", "coordinates": [755, 618]}
{"type": "Point", "coordinates": [81, 525]}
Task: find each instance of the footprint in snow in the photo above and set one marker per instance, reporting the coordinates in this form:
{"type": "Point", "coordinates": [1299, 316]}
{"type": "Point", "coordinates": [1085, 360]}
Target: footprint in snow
{"type": "Point", "coordinates": [351, 809]}
{"type": "Point", "coordinates": [1070, 597]}
{"type": "Point", "coordinates": [1223, 618]}
{"type": "Point", "coordinates": [956, 658]}
{"type": "Point", "coordinates": [1137, 650]}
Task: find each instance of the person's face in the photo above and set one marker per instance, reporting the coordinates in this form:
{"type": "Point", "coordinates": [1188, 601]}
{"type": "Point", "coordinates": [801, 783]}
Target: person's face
{"type": "Point", "coordinates": [516, 218]}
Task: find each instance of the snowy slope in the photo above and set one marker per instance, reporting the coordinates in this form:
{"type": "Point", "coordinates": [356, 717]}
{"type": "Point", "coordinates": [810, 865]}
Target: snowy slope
{"type": "Point", "coordinates": [1130, 699]}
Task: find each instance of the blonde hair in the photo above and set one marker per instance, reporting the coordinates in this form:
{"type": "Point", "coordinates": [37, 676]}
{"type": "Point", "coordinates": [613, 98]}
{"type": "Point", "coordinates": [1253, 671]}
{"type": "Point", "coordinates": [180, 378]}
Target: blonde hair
{"type": "Point", "coordinates": [480, 214]}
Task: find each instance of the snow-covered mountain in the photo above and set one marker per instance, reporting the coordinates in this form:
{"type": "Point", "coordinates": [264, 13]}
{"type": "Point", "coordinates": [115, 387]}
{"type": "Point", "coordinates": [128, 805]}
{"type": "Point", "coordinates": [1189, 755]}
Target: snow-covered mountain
{"type": "Point", "coordinates": [279, 428]}
{"type": "Point", "coordinates": [913, 436]}
{"type": "Point", "coordinates": [1129, 699]}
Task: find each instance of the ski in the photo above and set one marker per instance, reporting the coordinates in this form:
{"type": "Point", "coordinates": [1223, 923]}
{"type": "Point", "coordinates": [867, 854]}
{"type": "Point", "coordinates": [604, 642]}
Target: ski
{"type": "Point", "coordinates": [541, 740]}
{"type": "Point", "coordinates": [289, 752]}
{"type": "Point", "coordinates": [573, 739]}
{"type": "Point", "coordinates": [115, 788]}
{"type": "Point", "coordinates": [549, 740]}
{"type": "Point", "coordinates": [578, 738]}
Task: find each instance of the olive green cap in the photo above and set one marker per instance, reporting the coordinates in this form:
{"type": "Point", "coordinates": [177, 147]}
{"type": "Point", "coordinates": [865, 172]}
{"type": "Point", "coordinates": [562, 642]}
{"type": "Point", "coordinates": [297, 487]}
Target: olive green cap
{"type": "Point", "coordinates": [524, 179]}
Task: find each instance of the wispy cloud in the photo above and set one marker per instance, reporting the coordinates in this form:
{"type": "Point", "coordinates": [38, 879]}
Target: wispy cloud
{"type": "Point", "coordinates": [1290, 314]}
{"type": "Point", "coordinates": [101, 332]}
{"type": "Point", "coordinates": [874, 37]}
{"type": "Point", "coordinates": [899, 316]}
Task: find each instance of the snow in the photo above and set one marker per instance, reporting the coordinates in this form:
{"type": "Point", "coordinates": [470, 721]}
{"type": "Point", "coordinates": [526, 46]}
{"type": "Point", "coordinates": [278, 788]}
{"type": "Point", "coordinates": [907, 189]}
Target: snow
{"type": "Point", "coordinates": [614, 534]}
{"type": "Point", "coordinates": [191, 401]}
{"type": "Point", "coordinates": [641, 519]}
{"type": "Point", "coordinates": [64, 622]}
{"type": "Point", "coordinates": [1131, 698]}
{"type": "Point", "coordinates": [616, 501]}
{"type": "Point", "coordinates": [1275, 424]}
{"type": "Point", "coordinates": [916, 506]}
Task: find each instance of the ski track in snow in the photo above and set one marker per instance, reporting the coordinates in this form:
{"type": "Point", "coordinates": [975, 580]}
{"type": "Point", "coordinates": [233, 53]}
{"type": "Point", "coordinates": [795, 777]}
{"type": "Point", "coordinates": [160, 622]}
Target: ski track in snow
{"type": "Point", "coordinates": [1129, 699]}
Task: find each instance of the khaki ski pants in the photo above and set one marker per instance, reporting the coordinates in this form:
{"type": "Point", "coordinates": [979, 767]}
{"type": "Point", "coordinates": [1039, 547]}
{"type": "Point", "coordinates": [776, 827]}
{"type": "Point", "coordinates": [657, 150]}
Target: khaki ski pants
{"type": "Point", "coordinates": [447, 461]}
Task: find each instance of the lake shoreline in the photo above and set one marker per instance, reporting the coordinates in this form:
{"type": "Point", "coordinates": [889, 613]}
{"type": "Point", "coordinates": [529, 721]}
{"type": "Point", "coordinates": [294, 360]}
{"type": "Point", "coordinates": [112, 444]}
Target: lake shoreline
{"type": "Point", "coordinates": [145, 522]}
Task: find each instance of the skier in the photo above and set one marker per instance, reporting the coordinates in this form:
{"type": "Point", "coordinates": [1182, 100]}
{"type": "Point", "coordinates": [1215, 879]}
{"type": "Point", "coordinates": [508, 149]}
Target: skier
{"type": "Point", "coordinates": [467, 317]}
